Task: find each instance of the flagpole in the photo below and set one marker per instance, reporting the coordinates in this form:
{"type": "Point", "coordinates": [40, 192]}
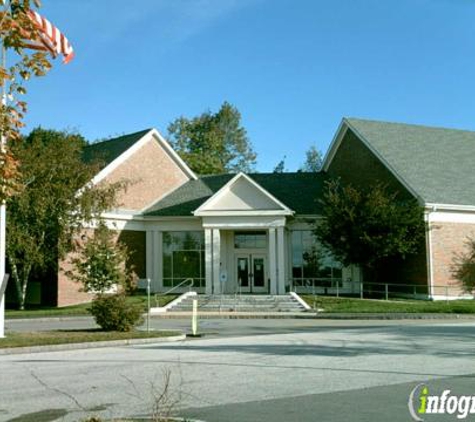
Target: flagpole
{"type": "Point", "coordinates": [3, 206]}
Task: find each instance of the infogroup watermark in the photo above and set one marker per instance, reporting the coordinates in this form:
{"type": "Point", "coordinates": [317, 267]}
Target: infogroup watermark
{"type": "Point", "coordinates": [422, 402]}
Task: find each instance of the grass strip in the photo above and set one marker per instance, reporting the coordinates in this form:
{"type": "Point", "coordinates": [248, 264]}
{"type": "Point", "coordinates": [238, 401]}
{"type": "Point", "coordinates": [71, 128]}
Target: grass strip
{"type": "Point", "coordinates": [353, 305]}
{"type": "Point", "coordinates": [44, 338]}
{"type": "Point", "coordinates": [81, 310]}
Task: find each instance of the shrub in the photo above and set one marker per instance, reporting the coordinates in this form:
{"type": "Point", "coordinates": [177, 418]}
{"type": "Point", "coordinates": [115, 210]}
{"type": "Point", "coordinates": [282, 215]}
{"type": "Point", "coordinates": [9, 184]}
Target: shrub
{"type": "Point", "coordinates": [113, 313]}
{"type": "Point", "coordinates": [463, 268]}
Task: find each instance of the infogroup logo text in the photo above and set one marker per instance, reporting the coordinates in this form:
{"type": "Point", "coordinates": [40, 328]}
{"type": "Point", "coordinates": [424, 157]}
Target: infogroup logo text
{"type": "Point", "coordinates": [422, 403]}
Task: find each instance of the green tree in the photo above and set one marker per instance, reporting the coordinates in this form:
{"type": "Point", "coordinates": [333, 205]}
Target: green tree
{"type": "Point", "coordinates": [463, 268]}
{"type": "Point", "coordinates": [101, 269]}
{"type": "Point", "coordinates": [55, 204]}
{"type": "Point", "coordinates": [16, 27]}
{"type": "Point", "coordinates": [280, 167]}
{"type": "Point", "coordinates": [313, 160]}
{"type": "Point", "coordinates": [369, 227]}
{"type": "Point", "coordinates": [101, 263]}
{"type": "Point", "coordinates": [213, 143]}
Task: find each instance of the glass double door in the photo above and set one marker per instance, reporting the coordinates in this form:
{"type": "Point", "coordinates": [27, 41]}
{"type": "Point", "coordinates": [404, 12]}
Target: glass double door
{"type": "Point", "coordinates": [251, 273]}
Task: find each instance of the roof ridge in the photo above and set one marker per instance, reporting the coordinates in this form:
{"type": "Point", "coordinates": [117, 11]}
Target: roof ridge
{"type": "Point", "coordinates": [416, 125]}
{"type": "Point", "coordinates": [144, 131]}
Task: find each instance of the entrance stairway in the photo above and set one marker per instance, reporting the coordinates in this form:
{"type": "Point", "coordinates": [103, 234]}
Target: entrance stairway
{"type": "Point", "coordinates": [240, 303]}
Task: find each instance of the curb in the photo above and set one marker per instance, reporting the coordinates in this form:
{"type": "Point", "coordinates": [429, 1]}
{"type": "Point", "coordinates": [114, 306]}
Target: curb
{"type": "Point", "coordinates": [50, 319]}
{"type": "Point", "coordinates": [236, 315]}
{"type": "Point", "coordinates": [89, 345]}
{"type": "Point", "coordinates": [396, 316]}
{"type": "Point", "coordinates": [316, 316]}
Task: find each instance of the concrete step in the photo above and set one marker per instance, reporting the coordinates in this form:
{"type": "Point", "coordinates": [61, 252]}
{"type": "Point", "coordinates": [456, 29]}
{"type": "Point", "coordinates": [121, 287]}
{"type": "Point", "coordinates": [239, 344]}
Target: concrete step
{"type": "Point", "coordinates": [242, 303]}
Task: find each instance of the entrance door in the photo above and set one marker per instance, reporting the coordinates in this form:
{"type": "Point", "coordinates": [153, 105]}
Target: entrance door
{"type": "Point", "coordinates": [251, 273]}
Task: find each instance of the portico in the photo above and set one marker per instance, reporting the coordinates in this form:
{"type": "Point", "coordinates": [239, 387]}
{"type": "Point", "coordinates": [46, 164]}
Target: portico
{"type": "Point", "coordinates": [244, 239]}
{"type": "Point", "coordinates": [247, 257]}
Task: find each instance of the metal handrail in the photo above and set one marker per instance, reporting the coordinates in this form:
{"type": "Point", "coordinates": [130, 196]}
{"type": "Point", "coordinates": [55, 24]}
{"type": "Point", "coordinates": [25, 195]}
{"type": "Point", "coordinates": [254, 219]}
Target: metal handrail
{"type": "Point", "coordinates": [188, 281]}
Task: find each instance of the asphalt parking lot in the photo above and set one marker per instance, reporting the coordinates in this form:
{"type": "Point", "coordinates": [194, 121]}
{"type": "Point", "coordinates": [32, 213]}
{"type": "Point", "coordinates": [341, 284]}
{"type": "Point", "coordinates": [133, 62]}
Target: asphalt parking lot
{"type": "Point", "coordinates": [262, 370]}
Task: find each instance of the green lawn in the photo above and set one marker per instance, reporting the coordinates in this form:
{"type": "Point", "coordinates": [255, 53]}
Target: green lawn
{"type": "Point", "coordinates": [350, 305]}
{"type": "Point", "coordinates": [42, 338]}
{"type": "Point", "coordinates": [80, 310]}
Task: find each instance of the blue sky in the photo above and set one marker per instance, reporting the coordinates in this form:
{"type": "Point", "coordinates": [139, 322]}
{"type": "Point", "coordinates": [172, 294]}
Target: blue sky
{"type": "Point", "coordinates": [293, 68]}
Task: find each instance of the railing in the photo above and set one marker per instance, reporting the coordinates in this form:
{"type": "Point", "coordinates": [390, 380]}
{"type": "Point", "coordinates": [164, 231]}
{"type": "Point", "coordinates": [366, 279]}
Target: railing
{"type": "Point", "coordinates": [187, 283]}
{"type": "Point", "coordinates": [363, 289]}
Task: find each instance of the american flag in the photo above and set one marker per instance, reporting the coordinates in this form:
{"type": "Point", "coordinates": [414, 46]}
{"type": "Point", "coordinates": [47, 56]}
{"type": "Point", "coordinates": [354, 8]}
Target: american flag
{"type": "Point", "coordinates": [51, 38]}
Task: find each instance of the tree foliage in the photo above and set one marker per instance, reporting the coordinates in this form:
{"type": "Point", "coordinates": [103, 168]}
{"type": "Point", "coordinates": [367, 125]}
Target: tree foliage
{"type": "Point", "coordinates": [463, 268]}
{"type": "Point", "coordinates": [55, 204]}
{"type": "Point", "coordinates": [100, 265]}
{"type": "Point", "coordinates": [369, 227]}
{"type": "Point", "coordinates": [213, 143]}
{"type": "Point", "coordinates": [313, 160]}
{"type": "Point", "coordinates": [280, 167]}
{"type": "Point", "coordinates": [23, 64]}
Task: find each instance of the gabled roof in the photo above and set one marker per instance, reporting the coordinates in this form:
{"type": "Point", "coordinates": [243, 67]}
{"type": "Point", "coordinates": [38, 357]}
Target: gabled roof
{"type": "Point", "coordinates": [242, 195]}
{"type": "Point", "coordinates": [435, 164]}
{"type": "Point", "coordinates": [113, 152]}
{"type": "Point", "coordinates": [107, 151]}
{"type": "Point", "coordinates": [298, 191]}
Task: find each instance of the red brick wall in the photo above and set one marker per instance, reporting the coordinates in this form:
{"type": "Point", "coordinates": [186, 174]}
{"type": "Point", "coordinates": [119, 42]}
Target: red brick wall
{"type": "Point", "coordinates": [448, 240]}
{"type": "Point", "coordinates": [152, 173]}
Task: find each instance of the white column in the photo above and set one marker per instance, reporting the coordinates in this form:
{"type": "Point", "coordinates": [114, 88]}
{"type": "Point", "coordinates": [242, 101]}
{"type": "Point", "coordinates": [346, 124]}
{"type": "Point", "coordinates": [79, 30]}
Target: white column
{"type": "Point", "coordinates": [280, 261]}
{"type": "Point", "coordinates": [157, 279]}
{"type": "Point", "coordinates": [209, 261]}
{"type": "Point", "coordinates": [149, 254]}
{"type": "Point", "coordinates": [272, 262]}
{"type": "Point", "coordinates": [216, 261]}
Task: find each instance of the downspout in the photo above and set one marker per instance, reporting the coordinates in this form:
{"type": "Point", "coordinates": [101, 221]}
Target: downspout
{"type": "Point", "coordinates": [430, 265]}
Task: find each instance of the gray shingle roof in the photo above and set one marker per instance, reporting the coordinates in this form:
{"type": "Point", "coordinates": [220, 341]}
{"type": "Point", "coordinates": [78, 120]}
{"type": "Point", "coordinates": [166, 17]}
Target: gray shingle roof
{"type": "Point", "coordinates": [437, 163]}
{"type": "Point", "coordinates": [299, 191]}
{"type": "Point", "coordinates": [108, 151]}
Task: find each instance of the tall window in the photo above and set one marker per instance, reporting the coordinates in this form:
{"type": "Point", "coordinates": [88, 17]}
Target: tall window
{"type": "Point", "coordinates": [183, 257]}
{"type": "Point", "coordinates": [312, 264]}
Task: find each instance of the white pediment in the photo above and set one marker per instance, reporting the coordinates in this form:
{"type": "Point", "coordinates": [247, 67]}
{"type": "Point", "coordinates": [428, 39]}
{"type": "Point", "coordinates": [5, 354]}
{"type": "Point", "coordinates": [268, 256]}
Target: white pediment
{"type": "Point", "coordinates": [242, 195]}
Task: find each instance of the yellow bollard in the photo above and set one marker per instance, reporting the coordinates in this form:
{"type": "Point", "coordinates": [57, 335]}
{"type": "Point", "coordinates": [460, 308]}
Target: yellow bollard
{"type": "Point", "coordinates": [194, 320]}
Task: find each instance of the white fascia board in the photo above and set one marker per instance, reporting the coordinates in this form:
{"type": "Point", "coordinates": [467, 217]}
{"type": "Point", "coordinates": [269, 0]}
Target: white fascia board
{"type": "Point", "coordinates": [240, 213]}
{"type": "Point", "coordinates": [449, 207]}
{"type": "Point", "coordinates": [234, 223]}
{"type": "Point", "coordinates": [121, 158]}
{"type": "Point", "coordinates": [334, 145]}
{"type": "Point", "coordinates": [202, 211]}
{"type": "Point", "coordinates": [151, 134]}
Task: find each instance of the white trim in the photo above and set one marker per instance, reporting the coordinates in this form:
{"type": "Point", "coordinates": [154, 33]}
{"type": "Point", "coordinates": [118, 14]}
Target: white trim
{"type": "Point", "coordinates": [151, 134]}
{"type": "Point", "coordinates": [174, 302]}
{"type": "Point", "coordinates": [451, 217]}
{"type": "Point", "coordinates": [209, 261]}
{"type": "Point", "coordinates": [216, 259]}
{"type": "Point", "coordinates": [429, 255]}
{"type": "Point", "coordinates": [240, 213]}
{"type": "Point", "coordinates": [344, 126]}
{"type": "Point", "coordinates": [444, 297]}
{"type": "Point", "coordinates": [280, 261]}
{"type": "Point", "coordinates": [272, 261]}
{"type": "Point", "coordinates": [301, 301]}
{"type": "Point", "coordinates": [334, 145]}
{"type": "Point", "coordinates": [243, 222]}
{"type": "Point", "coordinates": [451, 207]}
{"type": "Point", "coordinates": [203, 211]}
